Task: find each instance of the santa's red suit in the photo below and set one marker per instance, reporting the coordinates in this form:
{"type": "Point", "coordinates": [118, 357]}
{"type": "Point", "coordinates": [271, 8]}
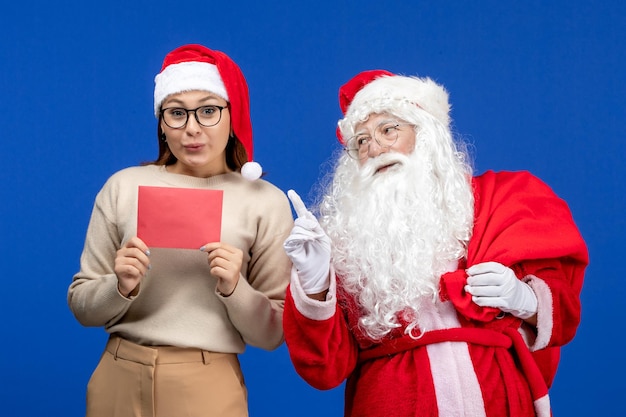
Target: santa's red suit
{"type": "Point", "coordinates": [471, 361]}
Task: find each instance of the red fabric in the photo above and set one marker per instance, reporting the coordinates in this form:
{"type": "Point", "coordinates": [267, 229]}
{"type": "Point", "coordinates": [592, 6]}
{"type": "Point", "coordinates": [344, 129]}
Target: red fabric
{"type": "Point", "coordinates": [322, 365]}
{"type": "Point", "coordinates": [517, 218]}
{"type": "Point", "coordinates": [356, 83]}
{"type": "Point", "coordinates": [475, 336]}
{"type": "Point", "coordinates": [234, 81]}
{"type": "Point", "coordinates": [525, 386]}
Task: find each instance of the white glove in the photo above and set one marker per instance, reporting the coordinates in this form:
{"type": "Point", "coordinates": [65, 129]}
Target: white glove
{"type": "Point", "coordinates": [309, 248]}
{"type": "Point", "coordinates": [494, 285]}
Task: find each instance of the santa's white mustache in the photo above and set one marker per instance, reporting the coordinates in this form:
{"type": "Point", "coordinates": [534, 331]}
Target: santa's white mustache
{"type": "Point", "coordinates": [373, 165]}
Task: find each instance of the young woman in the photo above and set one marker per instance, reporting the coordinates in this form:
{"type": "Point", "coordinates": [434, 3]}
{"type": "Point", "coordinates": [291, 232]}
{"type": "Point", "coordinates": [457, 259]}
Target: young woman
{"type": "Point", "coordinates": [177, 318]}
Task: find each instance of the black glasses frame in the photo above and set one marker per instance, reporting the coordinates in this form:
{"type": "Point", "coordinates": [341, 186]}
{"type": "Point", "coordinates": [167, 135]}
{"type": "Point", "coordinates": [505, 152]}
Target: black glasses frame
{"type": "Point", "coordinates": [195, 113]}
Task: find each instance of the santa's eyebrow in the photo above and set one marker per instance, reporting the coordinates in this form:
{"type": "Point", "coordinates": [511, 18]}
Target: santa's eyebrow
{"type": "Point", "coordinates": [382, 122]}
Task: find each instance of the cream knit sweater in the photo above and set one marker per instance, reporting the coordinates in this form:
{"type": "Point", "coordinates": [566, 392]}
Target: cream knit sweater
{"type": "Point", "coordinates": [177, 304]}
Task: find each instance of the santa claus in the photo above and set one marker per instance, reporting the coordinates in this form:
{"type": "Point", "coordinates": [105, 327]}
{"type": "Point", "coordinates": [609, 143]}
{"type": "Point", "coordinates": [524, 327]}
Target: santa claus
{"type": "Point", "coordinates": [430, 291]}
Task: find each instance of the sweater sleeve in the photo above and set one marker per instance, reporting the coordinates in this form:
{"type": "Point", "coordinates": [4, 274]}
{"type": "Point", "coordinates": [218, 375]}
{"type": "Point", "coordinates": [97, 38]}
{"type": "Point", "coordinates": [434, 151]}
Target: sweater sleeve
{"type": "Point", "coordinates": [321, 346]}
{"type": "Point", "coordinates": [256, 306]}
{"type": "Point", "coordinates": [92, 296]}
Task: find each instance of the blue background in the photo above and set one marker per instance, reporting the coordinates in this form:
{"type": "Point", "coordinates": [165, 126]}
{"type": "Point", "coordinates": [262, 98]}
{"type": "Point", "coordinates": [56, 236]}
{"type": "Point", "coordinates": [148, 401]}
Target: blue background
{"type": "Point", "coordinates": [534, 85]}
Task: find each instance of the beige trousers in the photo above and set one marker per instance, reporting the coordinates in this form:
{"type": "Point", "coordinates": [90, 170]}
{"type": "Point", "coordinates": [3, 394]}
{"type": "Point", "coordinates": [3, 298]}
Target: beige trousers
{"type": "Point", "coordinates": [138, 381]}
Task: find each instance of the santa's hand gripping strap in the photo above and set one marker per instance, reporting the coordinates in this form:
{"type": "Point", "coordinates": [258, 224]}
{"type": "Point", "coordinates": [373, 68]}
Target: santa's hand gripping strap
{"type": "Point", "coordinates": [494, 285]}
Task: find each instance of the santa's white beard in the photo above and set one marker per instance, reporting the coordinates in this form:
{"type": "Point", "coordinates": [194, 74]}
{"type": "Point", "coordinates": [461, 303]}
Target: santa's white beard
{"type": "Point", "coordinates": [394, 234]}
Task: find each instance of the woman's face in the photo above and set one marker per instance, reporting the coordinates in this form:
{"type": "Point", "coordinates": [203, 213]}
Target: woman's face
{"type": "Point", "coordinates": [199, 150]}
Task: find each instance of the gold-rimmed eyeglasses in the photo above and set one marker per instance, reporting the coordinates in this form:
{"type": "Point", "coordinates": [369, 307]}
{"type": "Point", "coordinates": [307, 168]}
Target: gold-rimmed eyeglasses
{"type": "Point", "coordinates": [385, 134]}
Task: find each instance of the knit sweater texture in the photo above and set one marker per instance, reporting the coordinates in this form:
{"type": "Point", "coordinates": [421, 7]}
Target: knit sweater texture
{"type": "Point", "coordinates": [177, 303]}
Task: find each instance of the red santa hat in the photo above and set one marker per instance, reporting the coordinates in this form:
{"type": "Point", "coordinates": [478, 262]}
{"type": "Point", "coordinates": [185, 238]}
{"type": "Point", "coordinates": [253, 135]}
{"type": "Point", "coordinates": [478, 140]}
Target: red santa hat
{"type": "Point", "coordinates": [378, 91]}
{"type": "Point", "coordinates": [195, 67]}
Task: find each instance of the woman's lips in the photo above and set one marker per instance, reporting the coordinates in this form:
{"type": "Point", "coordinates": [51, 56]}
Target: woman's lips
{"type": "Point", "coordinates": [194, 147]}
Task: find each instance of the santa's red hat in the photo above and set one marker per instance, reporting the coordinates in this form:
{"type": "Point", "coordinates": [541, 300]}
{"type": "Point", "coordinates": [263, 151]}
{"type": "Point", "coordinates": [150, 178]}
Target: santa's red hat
{"type": "Point", "coordinates": [378, 91]}
{"type": "Point", "coordinates": [195, 67]}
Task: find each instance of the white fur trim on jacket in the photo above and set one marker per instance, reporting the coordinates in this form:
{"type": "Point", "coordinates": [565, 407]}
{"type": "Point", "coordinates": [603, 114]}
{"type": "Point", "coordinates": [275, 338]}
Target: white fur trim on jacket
{"type": "Point", "coordinates": [310, 308]}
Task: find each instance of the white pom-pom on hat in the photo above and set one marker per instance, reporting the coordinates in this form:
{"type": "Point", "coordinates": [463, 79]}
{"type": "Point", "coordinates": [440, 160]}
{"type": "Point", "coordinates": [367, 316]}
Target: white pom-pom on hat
{"type": "Point", "coordinates": [251, 171]}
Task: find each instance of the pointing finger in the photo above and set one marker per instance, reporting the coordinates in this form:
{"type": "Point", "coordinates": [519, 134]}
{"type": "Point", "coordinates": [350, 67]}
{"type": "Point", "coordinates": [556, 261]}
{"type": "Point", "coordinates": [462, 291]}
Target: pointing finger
{"type": "Point", "coordinates": [298, 205]}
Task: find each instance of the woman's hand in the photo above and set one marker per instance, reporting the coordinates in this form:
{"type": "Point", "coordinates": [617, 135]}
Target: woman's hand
{"type": "Point", "coordinates": [131, 265]}
{"type": "Point", "coordinates": [225, 262]}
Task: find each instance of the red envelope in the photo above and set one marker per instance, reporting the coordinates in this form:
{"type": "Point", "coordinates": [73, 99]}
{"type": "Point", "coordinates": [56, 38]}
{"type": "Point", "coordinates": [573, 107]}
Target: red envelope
{"type": "Point", "coordinates": [179, 217]}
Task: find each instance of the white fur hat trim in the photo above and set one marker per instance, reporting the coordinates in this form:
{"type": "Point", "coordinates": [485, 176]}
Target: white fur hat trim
{"type": "Point", "coordinates": [187, 76]}
{"type": "Point", "coordinates": [387, 93]}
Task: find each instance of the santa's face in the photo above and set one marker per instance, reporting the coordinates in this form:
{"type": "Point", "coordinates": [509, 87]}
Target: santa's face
{"type": "Point", "coordinates": [383, 133]}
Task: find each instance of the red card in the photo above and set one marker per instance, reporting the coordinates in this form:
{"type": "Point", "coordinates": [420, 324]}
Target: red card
{"type": "Point", "coordinates": [179, 217]}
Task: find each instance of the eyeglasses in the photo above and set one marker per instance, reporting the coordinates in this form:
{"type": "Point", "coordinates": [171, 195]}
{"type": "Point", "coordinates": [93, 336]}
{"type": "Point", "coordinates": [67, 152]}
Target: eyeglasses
{"type": "Point", "coordinates": [207, 116]}
{"type": "Point", "coordinates": [385, 134]}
